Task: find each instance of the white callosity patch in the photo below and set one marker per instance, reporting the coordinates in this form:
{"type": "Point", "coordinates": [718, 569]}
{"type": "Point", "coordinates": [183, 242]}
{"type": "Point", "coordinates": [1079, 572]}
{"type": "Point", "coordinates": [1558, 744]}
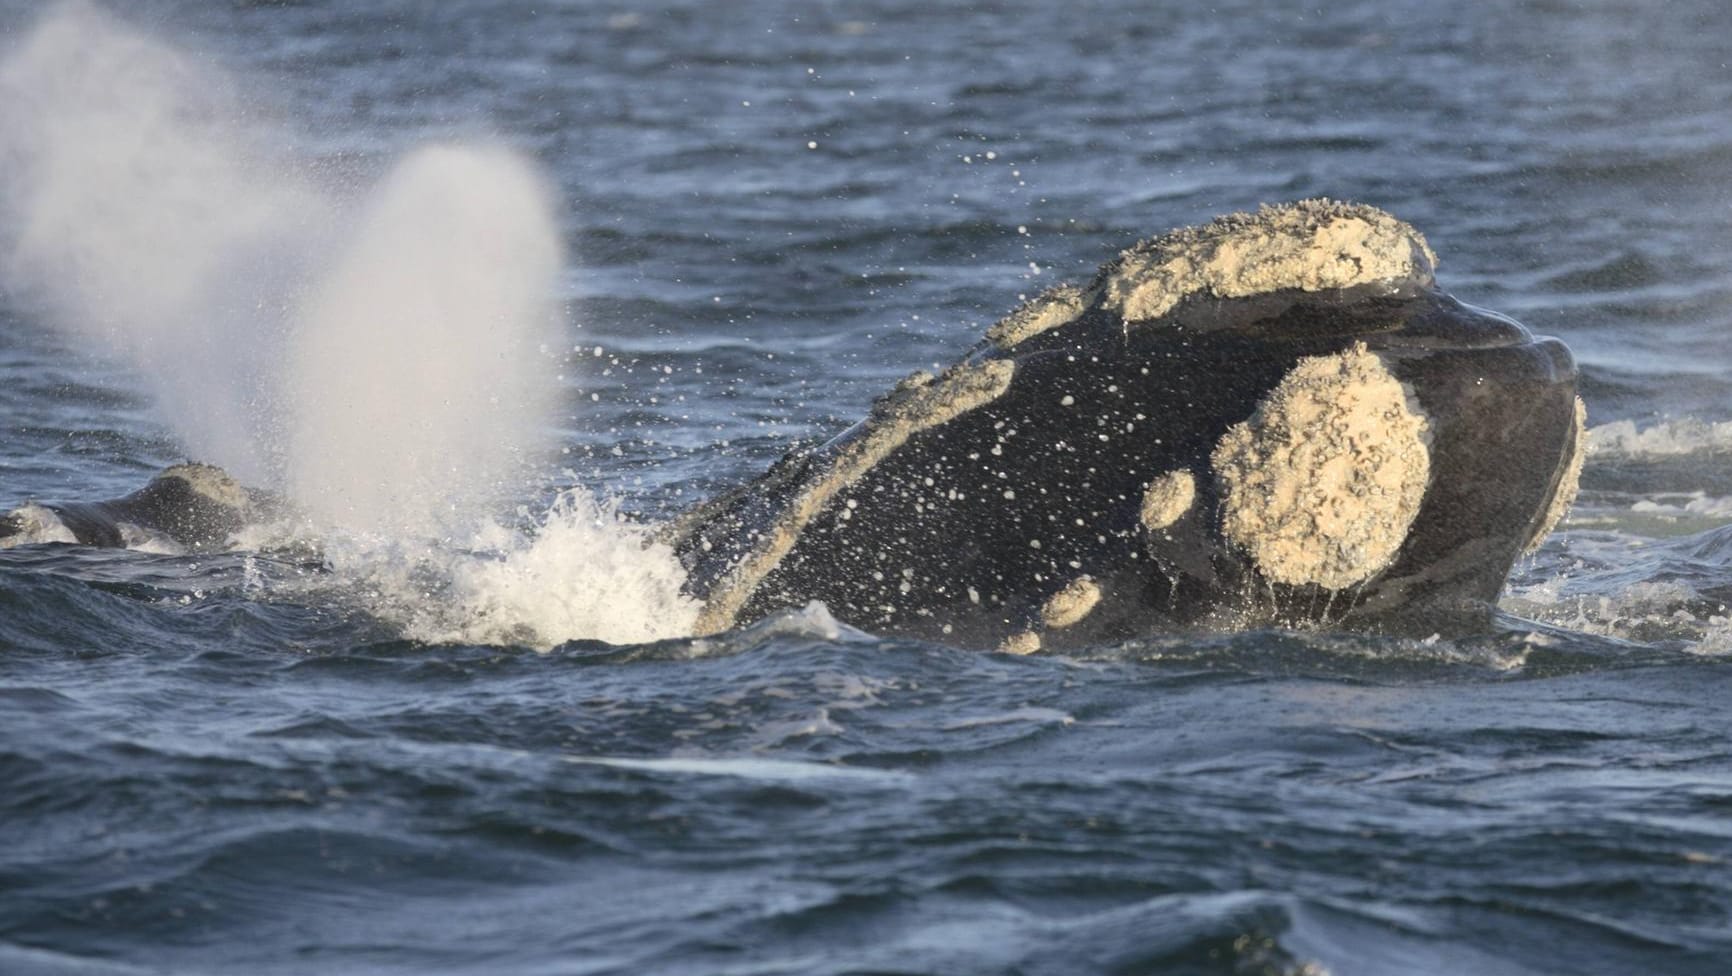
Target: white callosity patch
{"type": "Point", "coordinates": [1311, 245]}
{"type": "Point", "coordinates": [1167, 499]}
{"type": "Point", "coordinates": [1322, 483]}
{"type": "Point", "coordinates": [915, 405]}
{"type": "Point", "coordinates": [1022, 643]}
{"type": "Point", "coordinates": [1071, 604]}
{"type": "Point", "coordinates": [1050, 309]}
{"type": "Point", "coordinates": [213, 483]}
{"type": "Point", "coordinates": [1569, 481]}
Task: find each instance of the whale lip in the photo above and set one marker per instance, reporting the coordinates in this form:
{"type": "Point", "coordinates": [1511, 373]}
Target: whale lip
{"type": "Point", "coordinates": [1506, 438]}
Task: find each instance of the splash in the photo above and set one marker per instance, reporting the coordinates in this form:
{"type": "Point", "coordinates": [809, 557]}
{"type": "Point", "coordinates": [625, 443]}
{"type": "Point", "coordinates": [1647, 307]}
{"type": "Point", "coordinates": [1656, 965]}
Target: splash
{"type": "Point", "coordinates": [1684, 435]}
{"type": "Point", "coordinates": [376, 355]}
{"type": "Point", "coordinates": [584, 572]}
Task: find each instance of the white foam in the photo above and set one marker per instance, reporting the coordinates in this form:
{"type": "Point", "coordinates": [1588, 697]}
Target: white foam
{"type": "Point", "coordinates": [1697, 504]}
{"type": "Point", "coordinates": [772, 770]}
{"type": "Point", "coordinates": [1645, 611]}
{"type": "Point", "coordinates": [1685, 435]}
{"type": "Point", "coordinates": [142, 539]}
{"type": "Point", "coordinates": [584, 573]}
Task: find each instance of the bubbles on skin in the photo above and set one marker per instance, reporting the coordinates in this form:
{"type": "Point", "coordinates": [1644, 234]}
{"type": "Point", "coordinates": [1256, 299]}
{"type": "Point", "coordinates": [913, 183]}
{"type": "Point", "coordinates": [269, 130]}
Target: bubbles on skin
{"type": "Point", "coordinates": [1052, 308]}
{"type": "Point", "coordinates": [918, 403]}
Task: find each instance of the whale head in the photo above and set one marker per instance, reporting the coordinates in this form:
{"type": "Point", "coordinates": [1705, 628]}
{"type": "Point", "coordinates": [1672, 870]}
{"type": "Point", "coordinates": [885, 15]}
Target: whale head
{"type": "Point", "coordinates": [1275, 419]}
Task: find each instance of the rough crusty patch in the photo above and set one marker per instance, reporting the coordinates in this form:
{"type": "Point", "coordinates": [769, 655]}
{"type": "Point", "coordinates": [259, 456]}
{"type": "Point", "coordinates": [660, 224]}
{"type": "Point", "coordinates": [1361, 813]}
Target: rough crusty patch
{"type": "Point", "coordinates": [917, 404]}
{"type": "Point", "coordinates": [1050, 309]}
{"type": "Point", "coordinates": [1071, 604]}
{"type": "Point", "coordinates": [212, 482]}
{"type": "Point", "coordinates": [1323, 482]}
{"type": "Point", "coordinates": [1023, 643]}
{"type": "Point", "coordinates": [1569, 483]}
{"type": "Point", "coordinates": [1167, 498]}
{"type": "Point", "coordinates": [1311, 245]}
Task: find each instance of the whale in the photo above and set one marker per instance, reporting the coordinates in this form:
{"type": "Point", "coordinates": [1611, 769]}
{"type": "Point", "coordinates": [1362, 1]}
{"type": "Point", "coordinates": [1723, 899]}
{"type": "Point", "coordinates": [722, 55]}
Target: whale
{"type": "Point", "coordinates": [1274, 419]}
{"type": "Point", "coordinates": [191, 507]}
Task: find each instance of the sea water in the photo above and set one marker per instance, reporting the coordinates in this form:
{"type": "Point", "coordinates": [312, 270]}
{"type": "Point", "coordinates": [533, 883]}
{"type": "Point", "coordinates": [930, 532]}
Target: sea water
{"type": "Point", "coordinates": [668, 242]}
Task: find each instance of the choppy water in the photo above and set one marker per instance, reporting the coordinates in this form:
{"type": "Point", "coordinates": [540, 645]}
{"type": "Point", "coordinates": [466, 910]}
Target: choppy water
{"type": "Point", "coordinates": [221, 764]}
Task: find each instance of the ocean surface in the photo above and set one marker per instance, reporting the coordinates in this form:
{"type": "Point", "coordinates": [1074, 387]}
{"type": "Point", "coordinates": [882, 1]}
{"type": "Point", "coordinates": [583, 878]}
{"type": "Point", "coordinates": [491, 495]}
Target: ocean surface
{"type": "Point", "coordinates": [498, 755]}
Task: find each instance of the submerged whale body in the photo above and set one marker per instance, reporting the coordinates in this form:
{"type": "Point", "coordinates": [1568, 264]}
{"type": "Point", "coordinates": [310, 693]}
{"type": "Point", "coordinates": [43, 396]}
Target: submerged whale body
{"type": "Point", "coordinates": [1274, 419]}
{"type": "Point", "coordinates": [195, 507]}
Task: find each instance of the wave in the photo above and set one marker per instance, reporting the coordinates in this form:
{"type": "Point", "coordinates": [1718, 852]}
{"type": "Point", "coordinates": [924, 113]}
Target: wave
{"type": "Point", "coordinates": [1667, 438]}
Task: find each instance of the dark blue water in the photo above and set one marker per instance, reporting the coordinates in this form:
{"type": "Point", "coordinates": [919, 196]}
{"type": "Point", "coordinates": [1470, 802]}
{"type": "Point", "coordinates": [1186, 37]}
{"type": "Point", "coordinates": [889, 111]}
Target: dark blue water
{"type": "Point", "coordinates": [222, 764]}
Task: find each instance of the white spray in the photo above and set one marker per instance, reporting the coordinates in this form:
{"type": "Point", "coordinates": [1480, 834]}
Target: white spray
{"type": "Point", "coordinates": [381, 362]}
{"type": "Point", "coordinates": [415, 372]}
